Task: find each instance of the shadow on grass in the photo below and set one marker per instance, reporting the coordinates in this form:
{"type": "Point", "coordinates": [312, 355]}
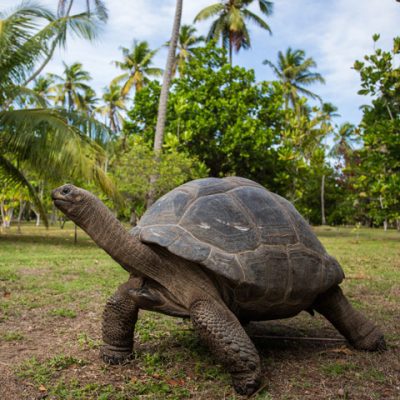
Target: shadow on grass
{"type": "Point", "coordinates": [83, 242]}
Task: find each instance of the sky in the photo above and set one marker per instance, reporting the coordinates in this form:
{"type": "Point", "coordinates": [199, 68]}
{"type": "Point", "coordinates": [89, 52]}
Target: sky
{"type": "Point", "coordinates": [334, 33]}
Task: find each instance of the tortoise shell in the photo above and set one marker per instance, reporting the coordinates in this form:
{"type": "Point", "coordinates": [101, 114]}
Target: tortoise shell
{"type": "Point", "coordinates": [242, 232]}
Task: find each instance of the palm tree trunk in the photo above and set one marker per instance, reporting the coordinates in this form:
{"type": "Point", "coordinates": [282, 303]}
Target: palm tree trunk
{"type": "Point", "coordinates": [230, 48]}
{"type": "Point", "coordinates": [162, 106]}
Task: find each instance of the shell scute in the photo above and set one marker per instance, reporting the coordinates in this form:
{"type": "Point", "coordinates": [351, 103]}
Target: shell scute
{"type": "Point", "coordinates": [217, 220]}
{"type": "Point", "coordinates": [306, 269]}
{"type": "Point", "coordinates": [168, 209]}
{"type": "Point", "coordinates": [273, 224]}
{"type": "Point", "coordinates": [267, 268]}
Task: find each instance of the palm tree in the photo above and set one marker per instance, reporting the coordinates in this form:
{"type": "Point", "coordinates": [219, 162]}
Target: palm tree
{"type": "Point", "coordinates": [137, 62]}
{"type": "Point", "coordinates": [113, 105]}
{"type": "Point", "coordinates": [34, 138]}
{"type": "Point", "coordinates": [88, 101]}
{"type": "Point", "coordinates": [230, 23]}
{"type": "Point", "coordinates": [344, 140]}
{"type": "Point", "coordinates": [70, 88]}
{"type": "Point", "coordinates": [294, 71]}
{"type": "Point", "coordinates": [43, 87]}
{"type": "Point", "coordinates": [187, 42]}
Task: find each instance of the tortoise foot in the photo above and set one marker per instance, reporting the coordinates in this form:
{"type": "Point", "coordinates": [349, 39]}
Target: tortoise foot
{"type": "Point", "coordinates": [246, 385]}
{"type": "Point", "coordinates": [116, 355]}
{"type": "Point", "coordinates": [374, 341]}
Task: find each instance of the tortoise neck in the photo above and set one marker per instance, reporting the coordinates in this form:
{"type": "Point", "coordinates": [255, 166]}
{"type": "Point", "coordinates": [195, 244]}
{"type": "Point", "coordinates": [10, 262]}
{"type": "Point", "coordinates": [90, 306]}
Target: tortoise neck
{"type": "Point", "coordinates": [151, 261]}
{"type": "Point", "coordinates": [109, 234]}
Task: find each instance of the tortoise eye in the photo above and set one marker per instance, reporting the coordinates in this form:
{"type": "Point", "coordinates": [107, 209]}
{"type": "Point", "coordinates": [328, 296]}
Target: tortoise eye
{"type": "Point", "coordinates": [66, 190]}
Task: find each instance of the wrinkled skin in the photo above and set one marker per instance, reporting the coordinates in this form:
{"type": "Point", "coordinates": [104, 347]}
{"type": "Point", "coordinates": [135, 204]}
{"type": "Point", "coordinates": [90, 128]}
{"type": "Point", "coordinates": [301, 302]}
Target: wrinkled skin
{"type": "Point", "coordinates": [160, 281]}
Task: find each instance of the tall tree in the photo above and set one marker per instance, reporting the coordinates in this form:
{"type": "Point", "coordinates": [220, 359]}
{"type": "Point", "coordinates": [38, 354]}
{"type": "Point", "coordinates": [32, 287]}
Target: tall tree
{"type": "Point", "coordinates": [168, 72]}
{"type": "Point", "coordinates": [137, 61]}
{"type": "Point", "coordinates": [162, 105]}
{"type": "Point", "coordinates": [230, 23]}
{"type": "Point", "coordinates": [294, 71]}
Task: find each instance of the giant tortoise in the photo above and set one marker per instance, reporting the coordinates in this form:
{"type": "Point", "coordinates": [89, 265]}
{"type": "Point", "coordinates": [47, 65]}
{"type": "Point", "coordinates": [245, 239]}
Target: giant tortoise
{"type": "Point", "coordinates": [221, 252]}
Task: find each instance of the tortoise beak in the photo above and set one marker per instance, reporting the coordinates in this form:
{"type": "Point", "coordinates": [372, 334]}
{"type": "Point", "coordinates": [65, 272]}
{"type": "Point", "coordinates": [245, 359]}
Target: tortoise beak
{"type": "Point", "coordinates": [60, 196]}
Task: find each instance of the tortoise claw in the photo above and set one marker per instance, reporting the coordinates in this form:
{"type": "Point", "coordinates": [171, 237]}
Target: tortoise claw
{"type": "Point", "coordinates": [116, 356]}
{"type": "Point", "coordinates": [246, 385]}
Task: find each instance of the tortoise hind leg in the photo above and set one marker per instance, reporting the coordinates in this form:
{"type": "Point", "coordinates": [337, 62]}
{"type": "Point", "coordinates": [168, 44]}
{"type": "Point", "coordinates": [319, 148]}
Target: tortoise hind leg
{"type": "Point", "coordinates": [358, 330]}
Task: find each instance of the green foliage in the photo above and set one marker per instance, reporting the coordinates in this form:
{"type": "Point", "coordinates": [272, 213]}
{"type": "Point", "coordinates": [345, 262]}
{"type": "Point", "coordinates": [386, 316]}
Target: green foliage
{"type": "Point", "coordinates": [134, 163]}
{"type": "Point", "coordinates": [377, 168]}
{"type": "Point", "coordinates": [236, 126]}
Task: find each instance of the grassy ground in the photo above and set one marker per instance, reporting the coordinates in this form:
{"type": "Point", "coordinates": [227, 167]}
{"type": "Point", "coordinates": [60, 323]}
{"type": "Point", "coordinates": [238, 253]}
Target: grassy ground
{"type": "Point", "coordinates": [51, 297]}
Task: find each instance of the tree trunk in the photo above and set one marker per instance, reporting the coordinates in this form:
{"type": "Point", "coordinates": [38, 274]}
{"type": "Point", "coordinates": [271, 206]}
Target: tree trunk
{"type": "Point", "coordinates": [323, 219]}
{"type": "Point", "coordinates": [385, 223]}
{"type": "Point", "coordinates": [6, 214]}
{"type": "Point", "coordinates": [22, 204]}
{"type": "Point", "coordinates": [230, 50]}
{"type": "Point", "coordinates": [162, 105]}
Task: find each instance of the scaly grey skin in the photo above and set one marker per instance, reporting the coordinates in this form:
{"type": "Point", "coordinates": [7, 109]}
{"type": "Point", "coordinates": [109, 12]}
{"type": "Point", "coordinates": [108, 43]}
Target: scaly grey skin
{"type": "Point", "coordinates": [164, 282]}
{"type": "Point", "coordinates": [167, 276]}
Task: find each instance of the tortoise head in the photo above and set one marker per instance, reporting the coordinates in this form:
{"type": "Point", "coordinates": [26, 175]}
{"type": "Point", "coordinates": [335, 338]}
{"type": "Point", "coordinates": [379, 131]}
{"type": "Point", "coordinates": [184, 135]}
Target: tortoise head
{"type": "Point", "coordinates": [71, 200]}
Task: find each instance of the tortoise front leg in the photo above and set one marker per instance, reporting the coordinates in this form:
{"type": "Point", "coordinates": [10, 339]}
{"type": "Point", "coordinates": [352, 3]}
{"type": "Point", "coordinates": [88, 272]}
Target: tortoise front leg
{"type": "Point", "coordinates": [119, 319]}
{"type": "Point", "coordinates": [224, 335]}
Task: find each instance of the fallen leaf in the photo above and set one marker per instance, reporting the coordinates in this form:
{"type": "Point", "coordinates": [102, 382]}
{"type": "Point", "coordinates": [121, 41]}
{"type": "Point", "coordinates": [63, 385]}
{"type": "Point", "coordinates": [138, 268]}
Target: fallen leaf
{"type": "Point", "coordinates": [42, 388]}
{"type": "Point", "coordinates": [174, 382]}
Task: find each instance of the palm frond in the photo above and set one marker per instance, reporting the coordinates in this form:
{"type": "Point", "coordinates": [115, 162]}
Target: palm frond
{"type": "Point", "coordinates": [256, 20]}
{"type": "Point", "coordinates": [209, 11]}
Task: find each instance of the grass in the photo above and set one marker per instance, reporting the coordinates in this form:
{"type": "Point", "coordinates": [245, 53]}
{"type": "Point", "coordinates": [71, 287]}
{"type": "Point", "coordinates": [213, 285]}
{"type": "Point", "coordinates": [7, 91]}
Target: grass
{"type": "Point", "coordinates": [52, 292]}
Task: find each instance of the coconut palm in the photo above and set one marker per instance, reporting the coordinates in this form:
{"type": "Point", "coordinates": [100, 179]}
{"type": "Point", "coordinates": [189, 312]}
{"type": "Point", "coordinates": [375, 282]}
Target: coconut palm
{"type": "Point", "coordinates": [137, 62]}
{"type": "Point", "coordinates": [34, 138]}
{"type": "Point", "coordinates": [344, 140]}
{"type": "Point", "coordinates": [43, 87]}
{"type": "Point", "coordinates": [294, 71]}
{"type": "Point", "coordinates": [187, 42]}
{"type": "Point", "coordinates": [230, 23]}
{"type": "Point", "coordinates": [88, 101]}
{"type": "Point", "coordinates": [70, 87]}
{"type": "Point", "coordinates": [112, 107]}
